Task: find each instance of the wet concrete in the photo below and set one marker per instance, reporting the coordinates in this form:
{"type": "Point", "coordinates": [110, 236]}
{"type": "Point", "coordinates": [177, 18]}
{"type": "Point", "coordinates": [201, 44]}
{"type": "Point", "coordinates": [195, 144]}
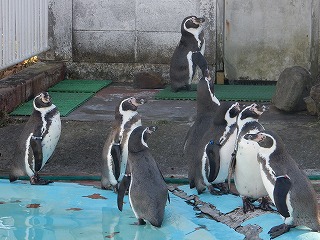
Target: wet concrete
{"type": "Point", "coordinates": [85, 130]}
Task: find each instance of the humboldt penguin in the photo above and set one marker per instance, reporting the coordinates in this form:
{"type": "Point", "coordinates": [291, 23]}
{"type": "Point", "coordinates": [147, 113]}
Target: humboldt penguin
{"type": "Point", "coordinates": [115, 150]}
{"type": "Point", "coordinates": [287, 185]}
{"type": "Point", "coordinates": [218, 151]}
{"type": "Point", "coordinates": [38, 140]}
{"type": "Point", "coordinates": [188, 54]}
{"type": "Point", "coordinates": [247, 177]}
{"type": "Point", "coordinates": [148, 192]}
{"type": "Point", "coordinates": [207, 104]}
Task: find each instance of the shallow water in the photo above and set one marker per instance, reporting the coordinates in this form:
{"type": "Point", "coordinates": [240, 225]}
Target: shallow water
{"type": "Point", "coordinates": [73, 211]}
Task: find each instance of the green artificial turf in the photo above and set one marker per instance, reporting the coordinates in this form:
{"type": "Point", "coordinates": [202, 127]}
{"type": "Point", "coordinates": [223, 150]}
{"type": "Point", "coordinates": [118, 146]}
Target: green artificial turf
{"type": "Point", "coordinates": [65, 101]}
{"type": "Point", "coordinates": [67, 95]}
{"type": "Point", "coordinates": [259, 93]}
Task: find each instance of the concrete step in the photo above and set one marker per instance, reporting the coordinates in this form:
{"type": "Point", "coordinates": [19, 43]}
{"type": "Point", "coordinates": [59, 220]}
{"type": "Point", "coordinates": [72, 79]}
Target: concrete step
{"type": "Point", "coordinates": [24, 85]}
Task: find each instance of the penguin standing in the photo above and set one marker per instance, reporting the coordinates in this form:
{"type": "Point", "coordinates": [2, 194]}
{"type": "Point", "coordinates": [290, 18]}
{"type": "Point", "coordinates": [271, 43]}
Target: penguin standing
{"type": "Point", "coordinates": [218, 151]}
{"type": "Point", "coordinates": [37, 141]}
{"type": "Point", "coordinates": [287, 185]}
{"type": "Point", "coordinates": [188, 54]}
{"type": "Point", "coordinates": [207, 104]}
{"type": "Point", "coordinates": [247, 177]}
{"type": "Point", "coordinates": [115, 150]}
{"type": "Point", "coordinates": [148, 192]}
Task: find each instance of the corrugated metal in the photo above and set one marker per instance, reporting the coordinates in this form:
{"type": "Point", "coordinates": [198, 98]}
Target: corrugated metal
{"type": "Point", "coordinates": [23, 30]}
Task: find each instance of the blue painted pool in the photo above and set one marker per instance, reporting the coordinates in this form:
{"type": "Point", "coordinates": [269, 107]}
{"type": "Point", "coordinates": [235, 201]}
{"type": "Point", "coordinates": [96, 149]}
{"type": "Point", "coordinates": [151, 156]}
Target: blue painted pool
{"type": "Point", "coordinates": [73, 211]}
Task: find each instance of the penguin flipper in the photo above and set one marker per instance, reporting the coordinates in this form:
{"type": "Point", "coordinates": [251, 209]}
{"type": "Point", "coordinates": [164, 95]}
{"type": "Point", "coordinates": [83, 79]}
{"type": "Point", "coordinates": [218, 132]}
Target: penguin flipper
{"type": "Point", "coordinates": [201, 62]}
{"type": "Point", "coordinates": [124, 184]}
{"type": "Point", "coordinates": [280, 192]}
{"type": "Point", "coordinates": [231, 168]}
{"type": "Point", "coordinates": [214, 161]}
{"type": "Point", "coordinates": [163, 179]}
{"type": "Point", "coordinates": [116, 156]}
{"type": "Point", "coordinates": [36, 147]}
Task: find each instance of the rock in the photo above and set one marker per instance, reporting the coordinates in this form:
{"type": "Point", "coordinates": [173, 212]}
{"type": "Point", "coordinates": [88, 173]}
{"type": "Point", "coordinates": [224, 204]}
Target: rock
{"type": "Point", "coordinates": [311, 105]}
{"type": "Point", "coordinates": [148, 80]}
{"type": "Point", "coordinates": [315, 95]}
{"type": "Point", "coordinates": [293, 86]}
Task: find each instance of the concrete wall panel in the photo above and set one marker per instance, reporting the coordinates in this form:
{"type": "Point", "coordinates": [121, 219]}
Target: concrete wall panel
{"type": "Point", "coordinates": [104, 15]}
{"type": "Point", "coordinates": [262, 38]}
{"type": "Point", "coordinates": [164, 16]}
{"type": "Point", "coordinates": [156, 47]}
{"type": "Point", "coordinates": [104, 47]}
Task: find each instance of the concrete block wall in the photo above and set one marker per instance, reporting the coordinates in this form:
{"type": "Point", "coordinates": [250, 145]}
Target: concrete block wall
{"type": "Point", "coordinates": [25, 84]}
{"type": "Point", "coordinates": [251, 40]}
{"type": "Point", "coordinates": [116, 39]}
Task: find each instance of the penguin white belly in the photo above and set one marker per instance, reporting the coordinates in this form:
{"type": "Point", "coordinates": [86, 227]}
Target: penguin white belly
{"type": "Point", "coordinates": [124, 154]}
{"type": "Point", "coordinates": [130, 198]}
{"type": "Point", "coordinates": [50, 140]}
{"type": "Point", "coordinates": [190, 64]}
{"type": "Point", "coordinates": [247, 176]}
{"type": "Point", "coordinates": [112, 178]}
{"type": "Point", "coordinates": [225, 159]}
{"type": "Point", "coordinates": [270, 188]}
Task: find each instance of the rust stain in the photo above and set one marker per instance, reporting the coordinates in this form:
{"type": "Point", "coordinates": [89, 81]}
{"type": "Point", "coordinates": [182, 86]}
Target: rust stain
{"type": "Point", "coordinates": [33, 205]}
{"type": "Point", "coordinates": [112, 235]}
{"type": "Point", "coordinates": [74, 209]}
{"type": "Point", "coordinates": [95, 196]}
{"type": "Point", "coordinates": [228, 26]}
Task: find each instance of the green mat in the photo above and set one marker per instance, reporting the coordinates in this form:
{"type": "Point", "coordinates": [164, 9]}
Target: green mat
{"type": "Point", "coordinates": [79, 85]}
{"type": "Point", "coordinates": [258, 93]}
{"type": "Point", "coordinates": [67, 95]}
{"type": "Point", "coordinates": [65, 101]}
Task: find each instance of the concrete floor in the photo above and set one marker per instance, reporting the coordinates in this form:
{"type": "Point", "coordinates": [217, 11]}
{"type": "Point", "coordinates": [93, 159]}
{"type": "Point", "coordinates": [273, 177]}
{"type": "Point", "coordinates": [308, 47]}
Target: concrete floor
{"type": "Point", "coordinates": [85, 130]}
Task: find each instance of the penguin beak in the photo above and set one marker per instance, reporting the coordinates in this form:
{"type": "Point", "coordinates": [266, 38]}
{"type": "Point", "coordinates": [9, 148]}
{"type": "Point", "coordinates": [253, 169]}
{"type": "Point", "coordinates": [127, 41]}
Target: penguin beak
{"type": "Point", "coordinates": [250, 137]}
{"type": "Point", "coordinates": [152, 129]}
{"type": "Point", "coordinates": [138, 102]}
{"type": "Point", "coordinates": [46, 98]}
{"type": "Point", "coordinates": [200, 20]}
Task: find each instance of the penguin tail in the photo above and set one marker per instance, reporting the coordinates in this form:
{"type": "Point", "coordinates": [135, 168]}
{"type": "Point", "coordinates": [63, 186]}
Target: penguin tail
{"type": "Point", "coordinates": [13, 178]}
{"type": "Point", "coordinates": [15, 174]}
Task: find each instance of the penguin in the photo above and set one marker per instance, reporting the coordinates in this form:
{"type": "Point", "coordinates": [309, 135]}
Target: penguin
{"type": "Point", "coordinates": [217, 153]}
{"type": "Point", "coordinates": [38, 140]}
{"type": "Point", "coordinates": [148, 192]}
{"type": "Point", "coordinates": [115, 150]}
{"type": "Point", "coordinates": [287, 185]}
{"type": "Point", "coordinates": [247, 177]}
{"type": "Point", "coordinates": [188, 54]}
{"type": "Point", "coordinates": [207, 105]}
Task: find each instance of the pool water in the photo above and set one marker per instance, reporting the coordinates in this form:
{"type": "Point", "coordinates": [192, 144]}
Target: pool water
{"type": "Point", "coordinates": [74, 211]}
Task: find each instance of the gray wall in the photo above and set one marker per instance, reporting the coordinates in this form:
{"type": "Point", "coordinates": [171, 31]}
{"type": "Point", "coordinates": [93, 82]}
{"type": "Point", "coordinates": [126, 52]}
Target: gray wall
{"type": "Point", "coordinates": [253, 39]}
{"type": "Point", "coordinates": [264, 37]}
{"type": "Point", "coordinates": [103, 39]}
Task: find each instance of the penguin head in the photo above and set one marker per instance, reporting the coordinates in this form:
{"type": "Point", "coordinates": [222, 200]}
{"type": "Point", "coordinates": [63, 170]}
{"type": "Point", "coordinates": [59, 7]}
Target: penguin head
{"type": "Point", "coordinates": [206, 99]}
{"type": "Point", "coordinates": [193, 25]}
{"type": "Point", "coordinates": [267, 140]}
{"type": "Point", "coordinates": [233, 112]}
{"type": "Point", "coordinates": [253, 111]}
{"type": "Point", "coordinates": [42, 101]}
{"type": "Point", "coordinates": [138, 138]}
{"type": "Point", "coordinates": [226, 112]}
{"type": "Point", "coordinates": [128, 107]}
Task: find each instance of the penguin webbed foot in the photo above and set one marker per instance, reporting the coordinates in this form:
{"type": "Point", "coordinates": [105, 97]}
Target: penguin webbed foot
{"type": "Point", "coordinates": [265, 205]}
{"type": "Point", "coordinates": [36, 180]}
{"type": "Point", "coordinates": [247, 205]}
{"type": "Point", "coordinates": [279, 230]}
{"type": "Point", "coordinates": [218, 189]}
{"type": "Point", "coordinates": [141, 221]}
{"type": "Point", "coordinates": [13, 178]}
